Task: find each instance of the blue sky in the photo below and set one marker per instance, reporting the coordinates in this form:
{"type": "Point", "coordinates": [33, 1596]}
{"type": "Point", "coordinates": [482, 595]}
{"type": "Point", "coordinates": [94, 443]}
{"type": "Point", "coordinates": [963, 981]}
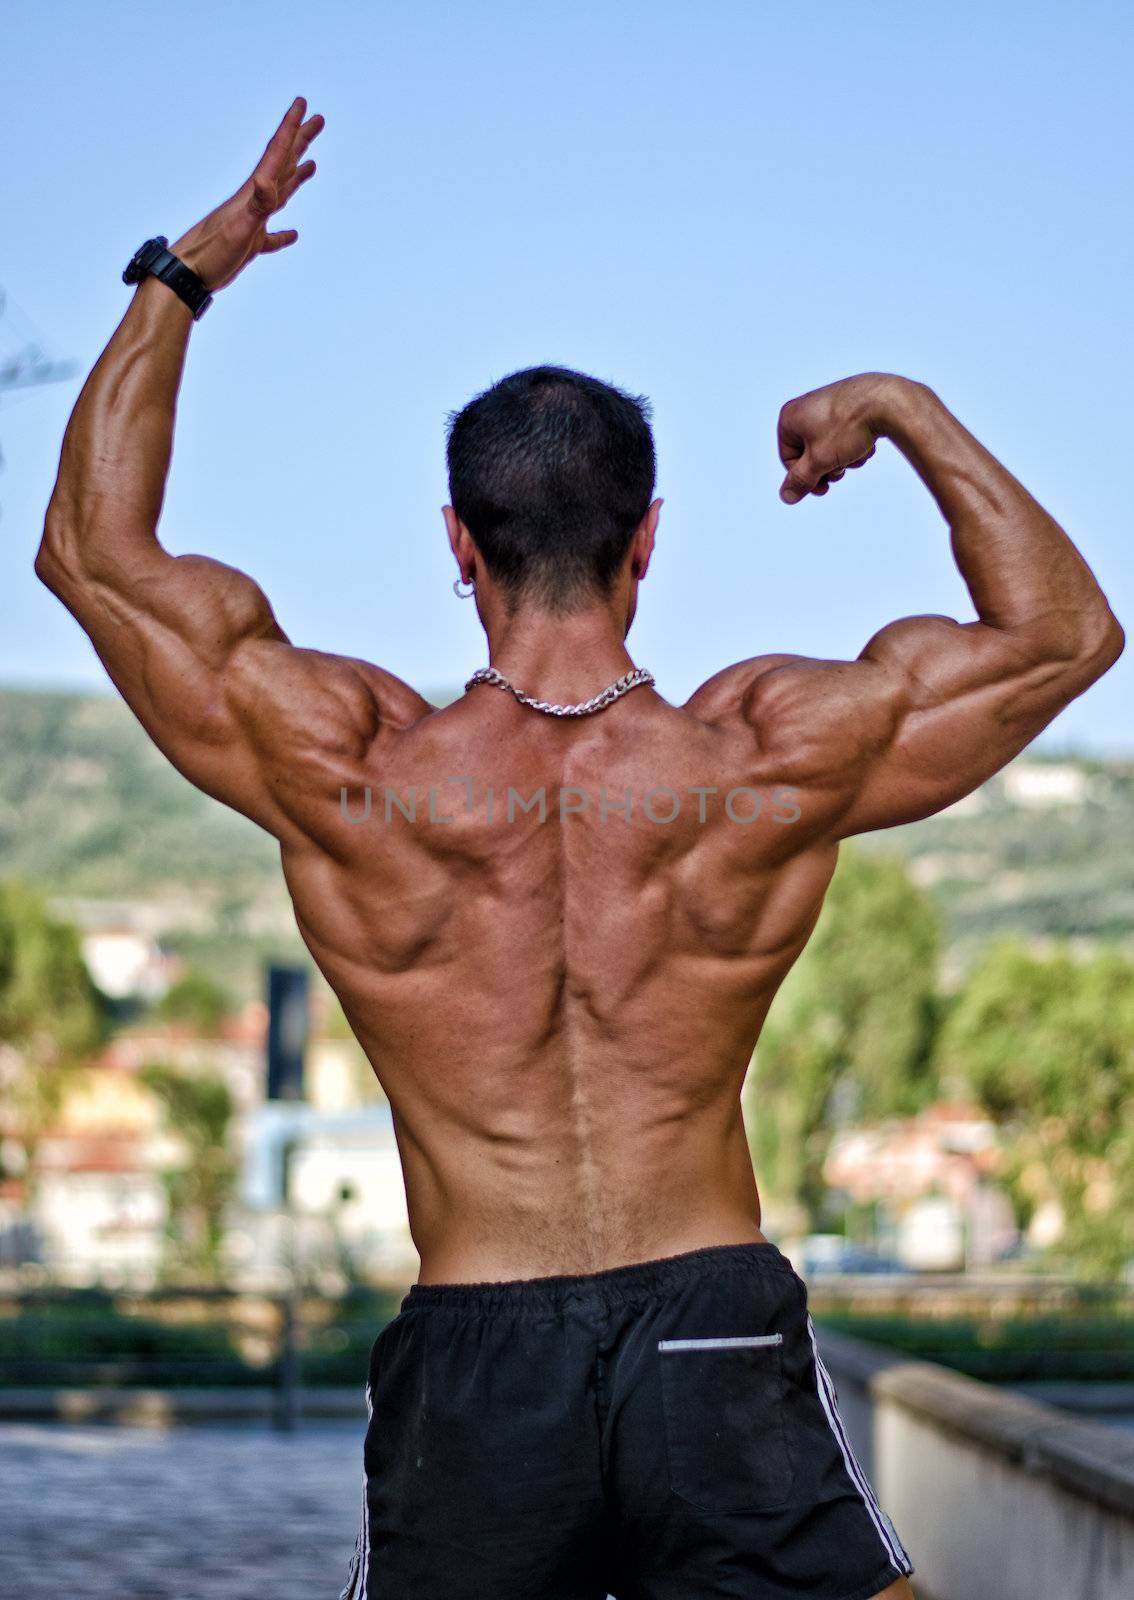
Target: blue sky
{"type": "Point", "coordinates": [720, 205]}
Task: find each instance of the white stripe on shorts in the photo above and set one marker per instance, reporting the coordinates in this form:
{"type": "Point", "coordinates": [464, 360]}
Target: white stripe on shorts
{"type": "Point", "coordinates": [355, 1588]}
{"type": "Point", "coordinates": [365, 1562]}
{"type": "Point", "coordinates": [885, 1528]}
{"type": "Point", "coordinates": [720, 1344]}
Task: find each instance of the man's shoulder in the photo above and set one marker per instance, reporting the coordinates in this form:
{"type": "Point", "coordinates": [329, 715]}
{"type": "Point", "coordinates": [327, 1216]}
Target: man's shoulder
{"type": "Point", "coordinates": [295, 700]}
{"type": "Point", "coordinates": [401, 705]}
{"type": "Point", "coordinates": [818, 710]}
{"type": "Point", "coordinates": [736, 690]}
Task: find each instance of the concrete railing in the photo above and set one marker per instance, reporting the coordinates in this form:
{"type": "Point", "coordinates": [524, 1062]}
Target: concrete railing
{"type": "Point", "coordinates": [164, 1408]}
{"type": "Point", "coordinates": [992, 1493]}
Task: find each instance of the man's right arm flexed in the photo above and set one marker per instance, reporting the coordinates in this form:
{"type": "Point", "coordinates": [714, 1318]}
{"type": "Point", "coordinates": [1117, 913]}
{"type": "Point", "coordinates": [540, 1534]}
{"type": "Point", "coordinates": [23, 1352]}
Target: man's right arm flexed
{"type": "Point", "coordinates": [933, 707]}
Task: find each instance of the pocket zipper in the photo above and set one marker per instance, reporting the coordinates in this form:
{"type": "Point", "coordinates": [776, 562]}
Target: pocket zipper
{"type": "Point", "coordinates": [721, 1344]}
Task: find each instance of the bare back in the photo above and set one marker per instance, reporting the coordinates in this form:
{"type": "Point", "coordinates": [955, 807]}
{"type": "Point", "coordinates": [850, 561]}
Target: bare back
{"type": "Point", "coordinates": [560, 984]}
{"type": "Point", "coordinates": [562, 1009]}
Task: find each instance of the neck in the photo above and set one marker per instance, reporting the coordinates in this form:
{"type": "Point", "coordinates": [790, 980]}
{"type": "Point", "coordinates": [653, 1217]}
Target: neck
{"type": "Point", "coordinates": [564, 659]}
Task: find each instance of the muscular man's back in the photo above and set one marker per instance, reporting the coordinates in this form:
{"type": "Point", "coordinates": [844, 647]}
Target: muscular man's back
{"type": "Point", "coordinates": [562, 1008]}
{"type": "Point", "coordinates": [605, 1377]}
{"type": "Point", "coordinates": [556, 940]}
{"type": "Point", "coordinates": [561, 1005]}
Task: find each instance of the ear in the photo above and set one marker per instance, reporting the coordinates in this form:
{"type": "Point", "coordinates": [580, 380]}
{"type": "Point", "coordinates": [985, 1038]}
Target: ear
{"type": "Point", "coordinates": [642, 545]}
{"type": "Point", "coordinates": [460, 543]}
{"type": "Point", "coordinates": [452, 527]}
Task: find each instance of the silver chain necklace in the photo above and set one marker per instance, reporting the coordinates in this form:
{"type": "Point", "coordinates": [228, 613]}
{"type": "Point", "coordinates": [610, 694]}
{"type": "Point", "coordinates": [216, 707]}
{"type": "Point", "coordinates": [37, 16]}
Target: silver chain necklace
{"type": "Point", "coordinates": [597, 702]}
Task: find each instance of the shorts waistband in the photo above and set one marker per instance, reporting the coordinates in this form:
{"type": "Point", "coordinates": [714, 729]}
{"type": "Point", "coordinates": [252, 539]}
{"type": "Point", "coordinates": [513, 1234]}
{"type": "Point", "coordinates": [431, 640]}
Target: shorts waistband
{"type": "Point", "coordinates": [637, 1278]}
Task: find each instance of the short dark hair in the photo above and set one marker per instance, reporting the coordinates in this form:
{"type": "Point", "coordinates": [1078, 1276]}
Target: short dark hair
{"type": "Point", "coordinates": [551, 472]}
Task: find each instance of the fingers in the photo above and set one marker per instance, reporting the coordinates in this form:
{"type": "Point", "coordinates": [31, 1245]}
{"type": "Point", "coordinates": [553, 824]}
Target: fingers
{"type": "Point", "coordinates": [791, 444]}
{"type": "Point", "coordinates": [794, 487]}
{"type": "Point", "coordinates": [311, 129]}
{"type": "Point", "coordinates": [808, 477]}
{"type": "Point", "coordinates": [278, 241]}
{"type": "Point", "coordinates": [277, 152]}
{"type": "Point", "coordinates": [285, 148]}
{"type": "Point", "coordinates": [291, 182]}
{"type": "Point", "coordinates": [263, 195]}
{"type": "Point", "coordinates": [268, 195]}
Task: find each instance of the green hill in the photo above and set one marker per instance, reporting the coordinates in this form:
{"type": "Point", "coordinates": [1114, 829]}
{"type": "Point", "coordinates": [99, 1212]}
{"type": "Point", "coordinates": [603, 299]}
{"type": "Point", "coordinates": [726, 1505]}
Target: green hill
{"type": "Point", "coordinates": [91, 812]}
{"type": "Point", "coordinates": [88, 806]}
{"type": "Point", "coordinates": [1009, 860]}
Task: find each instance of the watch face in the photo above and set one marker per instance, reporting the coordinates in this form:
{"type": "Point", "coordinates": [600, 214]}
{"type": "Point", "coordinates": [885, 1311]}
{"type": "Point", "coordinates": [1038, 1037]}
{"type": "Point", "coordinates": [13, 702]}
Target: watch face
{"type": "Point", "coordinates": [140, 262]}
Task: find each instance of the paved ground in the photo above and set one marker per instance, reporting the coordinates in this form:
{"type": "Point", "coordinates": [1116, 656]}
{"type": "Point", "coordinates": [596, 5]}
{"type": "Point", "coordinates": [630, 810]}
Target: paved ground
{"type": "Point", "coordinates": [200, 1513]}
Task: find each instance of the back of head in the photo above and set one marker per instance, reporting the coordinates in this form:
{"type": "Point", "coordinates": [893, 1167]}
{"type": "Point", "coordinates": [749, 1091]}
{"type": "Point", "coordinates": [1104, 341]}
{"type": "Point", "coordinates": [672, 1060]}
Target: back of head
{"type": "Point", "coordinates": [551, 472]}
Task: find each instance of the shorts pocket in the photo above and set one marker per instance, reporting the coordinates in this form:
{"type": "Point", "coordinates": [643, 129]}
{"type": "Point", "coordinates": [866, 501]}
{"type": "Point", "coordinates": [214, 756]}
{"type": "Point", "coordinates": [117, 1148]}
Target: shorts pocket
{"type": "Point", "coordinates": [722, 1403]}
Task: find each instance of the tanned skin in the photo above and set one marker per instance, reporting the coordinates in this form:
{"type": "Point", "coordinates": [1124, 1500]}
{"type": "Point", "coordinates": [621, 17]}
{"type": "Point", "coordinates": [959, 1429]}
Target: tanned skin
{"type": "Point", "coordinates": [561, 1012]}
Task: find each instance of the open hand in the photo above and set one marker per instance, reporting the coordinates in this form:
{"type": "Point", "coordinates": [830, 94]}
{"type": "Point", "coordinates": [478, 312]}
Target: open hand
{"type": "Point", "coordinates": [824, 432]}
{"type": "Point", "coordinates": [223, 243]}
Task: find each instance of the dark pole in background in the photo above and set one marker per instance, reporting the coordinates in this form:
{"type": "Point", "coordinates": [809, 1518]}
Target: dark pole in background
{"type": "Point", "coordinates": [288, 1407]}
{"type": "Point", "coordinates": [287, 1044]}
{"type": "Point", "coordinates": [287, 1031]}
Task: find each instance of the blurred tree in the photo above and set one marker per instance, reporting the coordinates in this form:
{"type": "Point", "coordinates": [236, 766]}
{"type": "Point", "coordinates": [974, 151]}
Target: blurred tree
{"type": "Point", "coordinates": [364, 1086]}
{"type": "Point", "coordinates": [335, 1024]}
{"type": "Point", "coordinates": [849, 1036]}
{"type": "Point", "coordinates": [1047, 1046]}
{"type": "Point", "coordinates": [51, 1016]}
{"type": "Point", "coordinates": [196, 998]}
{"type": "Point", "coordinates": [199, 1108]}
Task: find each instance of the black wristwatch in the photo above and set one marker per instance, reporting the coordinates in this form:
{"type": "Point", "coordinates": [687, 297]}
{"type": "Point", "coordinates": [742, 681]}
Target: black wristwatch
{"type": "Point", "coordinates": [153, 259]}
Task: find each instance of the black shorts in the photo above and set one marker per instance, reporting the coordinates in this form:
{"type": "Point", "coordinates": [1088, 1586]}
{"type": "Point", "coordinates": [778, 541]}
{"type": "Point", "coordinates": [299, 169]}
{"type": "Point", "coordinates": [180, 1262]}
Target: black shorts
{"type": "Point", "coordinates": [659, 1431]}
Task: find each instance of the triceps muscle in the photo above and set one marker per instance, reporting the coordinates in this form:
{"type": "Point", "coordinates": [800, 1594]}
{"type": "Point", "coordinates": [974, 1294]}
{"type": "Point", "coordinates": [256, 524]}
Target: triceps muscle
{"type": "Point", "coordinates": [166, 629]}
{"type": "Point", "coordinates": [963, 699]}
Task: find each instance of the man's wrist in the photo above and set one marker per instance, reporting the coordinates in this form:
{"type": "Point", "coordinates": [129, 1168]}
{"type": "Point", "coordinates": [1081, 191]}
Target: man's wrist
{"type": "Point", "coordinates": [184, 250]}
{"type": "Point", "coordinates": [896, 405]}
{"type": "Point", "coordinates": [194, 248]}
{"type": "Point", "coordinates": [157, 302]}
{"type": "Point", "coordinates": [154, 259]}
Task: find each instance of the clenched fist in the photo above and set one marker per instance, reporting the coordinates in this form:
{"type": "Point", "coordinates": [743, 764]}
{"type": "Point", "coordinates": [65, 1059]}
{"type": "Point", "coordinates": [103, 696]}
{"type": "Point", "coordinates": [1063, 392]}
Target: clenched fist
{"type": "Point", "coordinates": [824, 432]}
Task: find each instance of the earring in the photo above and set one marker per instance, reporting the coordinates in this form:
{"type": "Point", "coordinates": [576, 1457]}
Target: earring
{"type": "Point", "coordinates": [463, 594]}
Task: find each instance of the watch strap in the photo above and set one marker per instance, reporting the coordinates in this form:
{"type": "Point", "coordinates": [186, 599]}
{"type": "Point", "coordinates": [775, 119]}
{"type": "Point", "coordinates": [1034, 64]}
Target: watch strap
{"type": "Point", "coordinates": [155, 259]}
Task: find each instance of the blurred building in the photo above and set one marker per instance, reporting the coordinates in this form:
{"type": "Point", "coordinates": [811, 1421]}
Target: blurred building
{"type": "Point", "coordinates": [933, 1178]}
{"type": "Point", "coordinates": [1043, 784]}
{"type": "Point", "coordinates": [97, 1209]}
{"type": "Point", "coordinates": [1035, 785]}
{"type": "Point", "coordinates": [125, 963]}
{"type": "Point", "coordinates": [336, 1180]}
{"type": "Point", "coordinates": [121, 945]}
